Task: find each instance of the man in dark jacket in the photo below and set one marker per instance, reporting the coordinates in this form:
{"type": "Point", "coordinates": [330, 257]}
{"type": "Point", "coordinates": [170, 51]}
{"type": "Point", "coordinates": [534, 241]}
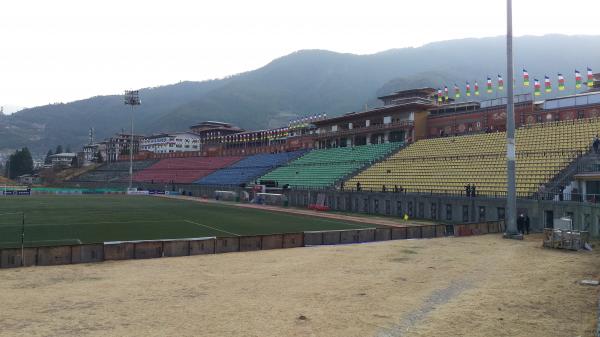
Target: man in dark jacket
{"type": "Point", "coordinates": [520, 223]}
{"type": "Point", "coordinates": [526, 224]}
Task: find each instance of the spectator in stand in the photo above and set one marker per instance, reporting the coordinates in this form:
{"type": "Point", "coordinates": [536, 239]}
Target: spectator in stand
{"type": "Point", "coordinates": [468, 190]}
{"type": "Point", "coordinates": [358, 186]}
{"type": "Point", "coordinates": [342, 186]}
{"type": "Point", "coordinates": [383, 188]}
{"type": "Point", "coordinates": [395, 188]}
{"type": "Point", "coordinates": [561, 190]}
{"type": "Point", "coordinates": [473, 191]}
{"type": "Point", "coordinates": [596, 144]}
{"type": "Point", "coordinates": [542, 192]}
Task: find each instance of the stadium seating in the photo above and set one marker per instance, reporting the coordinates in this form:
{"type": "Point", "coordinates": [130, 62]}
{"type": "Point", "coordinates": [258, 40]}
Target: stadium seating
{"type": "Point", "coordinates": [113, 172]}
{"type": "Point", "coordinates": [183, 170]}
{"type": "Point", "coordinates": [249, 168]}
{"type": "Point", "coordinates": [446, 165]}
{"type": "Point", "coordinates": [322, 168]}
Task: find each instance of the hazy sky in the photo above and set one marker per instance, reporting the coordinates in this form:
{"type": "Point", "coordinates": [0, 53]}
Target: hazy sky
{"type": "Point", "coordinates": [58, 51]}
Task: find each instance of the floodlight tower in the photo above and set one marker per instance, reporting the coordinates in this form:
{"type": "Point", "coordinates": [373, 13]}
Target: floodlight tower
{"type": "Point", "coordinates": [132, 97]}
{"type": "Point", "coordinates": [511, 191]}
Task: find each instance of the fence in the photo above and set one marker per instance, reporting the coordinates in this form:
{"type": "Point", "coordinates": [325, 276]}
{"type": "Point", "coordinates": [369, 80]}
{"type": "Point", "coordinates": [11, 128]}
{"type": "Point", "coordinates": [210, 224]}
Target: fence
{"type": "Point", "coordinates": [127, 250]}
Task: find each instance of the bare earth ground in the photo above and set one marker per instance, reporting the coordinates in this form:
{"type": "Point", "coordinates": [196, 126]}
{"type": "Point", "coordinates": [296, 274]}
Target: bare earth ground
{"type": "Point", "coordinates": [469, 286]}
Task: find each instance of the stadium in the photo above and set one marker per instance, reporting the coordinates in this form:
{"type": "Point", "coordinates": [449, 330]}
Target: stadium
{"type": "Point", "coordinates": [361, 187]}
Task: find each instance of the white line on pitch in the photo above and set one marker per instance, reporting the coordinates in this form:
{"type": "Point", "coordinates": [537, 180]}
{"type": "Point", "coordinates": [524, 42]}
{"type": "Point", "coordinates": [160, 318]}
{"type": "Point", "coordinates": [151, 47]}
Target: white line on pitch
{"type": "Point", "coordinates": [220, 230]}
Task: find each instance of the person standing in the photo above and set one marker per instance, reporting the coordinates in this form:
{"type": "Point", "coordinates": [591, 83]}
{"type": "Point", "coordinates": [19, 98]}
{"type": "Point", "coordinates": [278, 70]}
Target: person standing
{"type": "Point", "coordinates": [520, 223]}
{"type": "Point", "coordinates": [526, 224]}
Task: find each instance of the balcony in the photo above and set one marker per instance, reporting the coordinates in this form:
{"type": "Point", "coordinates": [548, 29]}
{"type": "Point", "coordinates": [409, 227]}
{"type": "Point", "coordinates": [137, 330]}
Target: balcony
{"type": "Point", "coordinates": [368, 129]}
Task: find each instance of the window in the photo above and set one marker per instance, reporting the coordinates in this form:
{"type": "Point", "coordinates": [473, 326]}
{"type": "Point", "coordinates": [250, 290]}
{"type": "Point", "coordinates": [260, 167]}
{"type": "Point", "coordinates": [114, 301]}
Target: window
{"type": "Point", "coordinates": [465, 213]}
{"type": "Point", "coordinates": [449, 212]}
{"type": "Point", "coordinates": [388, 207]}
{"type": "Point", "coordinates": [421, 210]}
{"type": "Point", "coordinates": [481, 213]}
{"type": "Point", "coordinates": [434, 211]}
{"type": "Point", "coordinates": [366, 205]}
{"type": "Point", "coordinates": [376, 206]}
{"type": "Point", "coordinates": [501, 213]}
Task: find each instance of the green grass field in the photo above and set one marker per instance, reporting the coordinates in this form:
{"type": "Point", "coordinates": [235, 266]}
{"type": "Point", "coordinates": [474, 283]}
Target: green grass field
{"type": "Point", "coordinates": [58, 220]}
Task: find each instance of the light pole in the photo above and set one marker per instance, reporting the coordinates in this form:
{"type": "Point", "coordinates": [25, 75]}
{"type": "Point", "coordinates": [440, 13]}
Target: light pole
{"type": "Point", "coordinates": [511, 191]}
{"type": "Point", "coordinates": [132, 97]}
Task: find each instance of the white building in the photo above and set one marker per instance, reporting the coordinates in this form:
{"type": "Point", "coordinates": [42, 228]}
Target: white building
{"type": "Point", "coordinates": [62, 159]}
{"type": "Point", "coordinates": [171, 142]}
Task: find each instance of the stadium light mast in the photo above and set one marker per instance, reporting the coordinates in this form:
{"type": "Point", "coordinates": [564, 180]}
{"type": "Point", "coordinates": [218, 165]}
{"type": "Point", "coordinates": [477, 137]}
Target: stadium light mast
{"type": "Point", "coordinates": [132, 97]}
{"type": "Point", "coordinates": [511, 192]}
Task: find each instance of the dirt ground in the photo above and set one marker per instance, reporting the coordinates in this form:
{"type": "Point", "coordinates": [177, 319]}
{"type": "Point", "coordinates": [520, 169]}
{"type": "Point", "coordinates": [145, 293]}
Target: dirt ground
{"type": "Point", "coordinates": [469, 286]}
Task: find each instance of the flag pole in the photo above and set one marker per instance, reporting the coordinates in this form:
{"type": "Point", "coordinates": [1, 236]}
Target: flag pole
{"type": "Point", "coordinates": [511, 192]}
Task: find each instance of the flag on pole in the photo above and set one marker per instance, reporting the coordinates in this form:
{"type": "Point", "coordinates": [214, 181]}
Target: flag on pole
{"type": "Point", "coordinates": [590, 77]}
{"type": "Point", "coordinates": [446, 95]}
{"type": "Point", "coordinates": [468, 90]}
{"type": "Point", "coordinates": [547, 84]}
{"type": "Point", "coordinates": [439, 95]}
{"type": "Point", "coordinates": [500, 82]}
{"type": "Point", "coordinates": [537, 87]}
{"type": "Point", "coordinates": [476, 87]}
{"type": "Point", "coordinates": [525, 78]}
{"type": "Point", "coordinates": [489, 86]}
{"type": "Point", "coordinates": [456, 91]}
{"type": "Point", "coordinates": [561, 82]}
{"type": "Point", "coordinates": [577, 79]}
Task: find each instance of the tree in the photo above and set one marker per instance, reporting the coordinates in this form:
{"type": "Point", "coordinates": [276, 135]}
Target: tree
{"type": "Point", "coordinates": [59, 149]}
{"type": "Point", "coordinates": [48, 160]}
{"type": "Point", "coordinates": [19, 163]}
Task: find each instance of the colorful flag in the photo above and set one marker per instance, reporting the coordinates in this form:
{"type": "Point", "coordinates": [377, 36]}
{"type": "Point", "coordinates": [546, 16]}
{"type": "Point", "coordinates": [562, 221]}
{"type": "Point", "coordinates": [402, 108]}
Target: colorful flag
{"type": "Point", "coordinates": [446, 95]}
{"type": "Point", "coordinates": [577, 79]}
{"type": "Point", "coordinates": [590, 77]}
{"type": "Point", "coordinates": [537, 87]}
{"type": "Point", "coordinates": [456, 91]}
{"type": "Point", "coordinates": [468, 90]}
{"type": "Point", "coordinates": [500, 82]}
{"type": "Point", "coordinates": [489, 86]}
{"type": "Point", "coordinates": [476, 87]}
{"type": "Point", "coordinates": [547, 84]}
{"type": "Point", "coordinates": [561, 82]}
{"type": "Point", "coordinates": [439, 95]}
{"type": "Point", "coordinates": [525, 78]}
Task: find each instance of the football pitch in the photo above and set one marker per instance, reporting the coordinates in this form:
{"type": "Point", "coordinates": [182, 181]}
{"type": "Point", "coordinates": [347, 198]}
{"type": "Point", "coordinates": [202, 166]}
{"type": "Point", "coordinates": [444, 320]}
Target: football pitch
{"type": "Point", "coordinates": [62, 220]}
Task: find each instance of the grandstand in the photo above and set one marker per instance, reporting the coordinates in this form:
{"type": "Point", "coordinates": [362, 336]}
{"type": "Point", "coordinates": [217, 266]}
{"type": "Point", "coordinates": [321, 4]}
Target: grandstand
{"type": "Point", "coordinates": [447, 165]}
{"type": "Point", "coordinates": [183, 170]}
{"type": "Point", "coordinates": [249, 168]}
{"type": "Point", "coordinates": [113, 172]}
{"type": "Point", "coordinates": [323, 168]}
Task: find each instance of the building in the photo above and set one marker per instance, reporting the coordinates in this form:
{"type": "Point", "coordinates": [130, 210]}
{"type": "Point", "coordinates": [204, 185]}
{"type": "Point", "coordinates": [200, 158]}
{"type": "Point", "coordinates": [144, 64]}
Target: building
{"type": "Point", "coordinates": [119, 145]}
{"type": "Point", "coordinates": [402, 118]}
{"type": "Point", "coordinates": [171, 142]}
{"type": "Point", "coordinates": [214, 129]}
{"type": "Point", "coordinates": [91, 151]}
{"type": "Point", "coordinates": [62, 160]}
